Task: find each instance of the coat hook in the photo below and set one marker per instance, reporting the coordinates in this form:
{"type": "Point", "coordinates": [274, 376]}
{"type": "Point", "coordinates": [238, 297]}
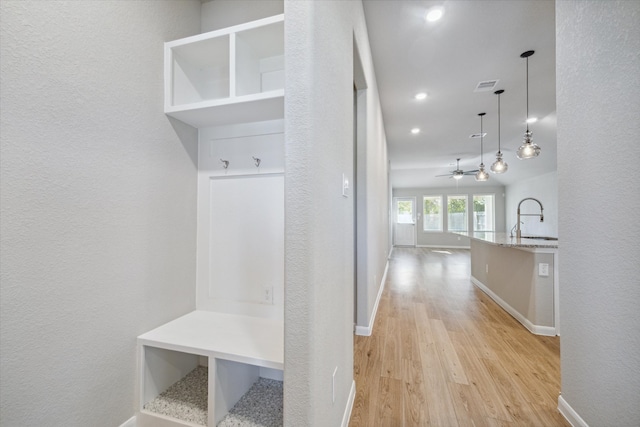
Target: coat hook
{"type": "Point", "coordinates": [225, 163]}
{"type": "Point", "coordinates": [257, 161]}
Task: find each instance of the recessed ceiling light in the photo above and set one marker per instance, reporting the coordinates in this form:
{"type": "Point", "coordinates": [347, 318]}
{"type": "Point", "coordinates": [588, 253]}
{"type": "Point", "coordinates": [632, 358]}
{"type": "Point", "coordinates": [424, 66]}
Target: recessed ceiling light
{"type": "Point", "coordinates": [420, 96]}
{"type": "Point", "coordinates": [434, 14]}
{"type": "Point", "coordinates": [532, 120]}
{"type": "Point", "coordinates": [415, 131]}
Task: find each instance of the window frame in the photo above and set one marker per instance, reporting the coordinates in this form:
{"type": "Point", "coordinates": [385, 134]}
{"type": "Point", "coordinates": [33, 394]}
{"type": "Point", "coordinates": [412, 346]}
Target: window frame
{"type": "Point", "coordinates": [464, 197]}
{"type": "Point", "coordinates": [493, 212]}
{"type": "Point", "coordinates": [397, 215]}
{"type": "Point", "coordinates": [439, 197]}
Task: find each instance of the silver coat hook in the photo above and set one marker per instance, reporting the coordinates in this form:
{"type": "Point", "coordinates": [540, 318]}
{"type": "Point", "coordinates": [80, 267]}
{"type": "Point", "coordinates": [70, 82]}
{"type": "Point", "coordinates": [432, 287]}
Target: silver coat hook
{"type": "Point", "coordinates": [225, 163]}
{"type": "Point", "coordinates": [257, 161]}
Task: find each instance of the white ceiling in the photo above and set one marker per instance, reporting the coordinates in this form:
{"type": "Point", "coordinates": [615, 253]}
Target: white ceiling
{"type": "Point", "coordinates": [474, 41]}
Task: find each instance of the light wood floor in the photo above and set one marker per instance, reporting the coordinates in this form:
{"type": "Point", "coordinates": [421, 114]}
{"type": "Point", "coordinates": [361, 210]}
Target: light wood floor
{"type": "Point", "coordinates": [442, 353]}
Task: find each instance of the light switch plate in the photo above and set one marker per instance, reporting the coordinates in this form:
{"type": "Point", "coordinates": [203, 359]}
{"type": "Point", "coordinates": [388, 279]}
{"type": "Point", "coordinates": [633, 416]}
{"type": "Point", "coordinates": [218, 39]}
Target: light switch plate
{"type": "Point", "coordinates": [345, 186]}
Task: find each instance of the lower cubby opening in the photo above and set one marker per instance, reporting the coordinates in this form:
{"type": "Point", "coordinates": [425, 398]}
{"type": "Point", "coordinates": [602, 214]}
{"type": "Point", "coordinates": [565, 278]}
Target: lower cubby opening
{"type": "Point", "coordinates": [185, 400]}
{"type": "Point", "coordinates": [247, 395]}
{"type": "Point", "coordinates": [189, 390]}
{"type": "Point", "coordinates": [261, 406]}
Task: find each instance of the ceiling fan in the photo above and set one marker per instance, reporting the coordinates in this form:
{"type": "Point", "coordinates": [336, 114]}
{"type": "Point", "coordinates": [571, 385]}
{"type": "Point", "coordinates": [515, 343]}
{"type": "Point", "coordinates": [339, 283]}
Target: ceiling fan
{"type": "Point", "coordinates": [458, 173]}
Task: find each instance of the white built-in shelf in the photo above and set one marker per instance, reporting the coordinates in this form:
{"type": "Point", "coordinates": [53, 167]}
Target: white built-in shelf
{"type": "Point", "coordinates": [237, 349]}
{"type": "Point", "coordinates": [252, 340]}
{"type": "Point", "coordinates": [232, 75]}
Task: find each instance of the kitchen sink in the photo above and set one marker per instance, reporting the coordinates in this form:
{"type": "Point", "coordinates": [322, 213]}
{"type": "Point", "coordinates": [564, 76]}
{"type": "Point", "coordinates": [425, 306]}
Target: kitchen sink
{"type": "Point", "coordinates": [540, 237]}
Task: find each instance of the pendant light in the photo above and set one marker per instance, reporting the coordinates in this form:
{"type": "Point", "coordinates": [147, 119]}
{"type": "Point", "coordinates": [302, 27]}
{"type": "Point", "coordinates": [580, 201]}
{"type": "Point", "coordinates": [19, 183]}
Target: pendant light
{"type": "Point", "coordinates": [528, 149]}
{"type": "Point", "coordinates": [499, 166]}
{"type": "Point", "coordinates": [482, 175]}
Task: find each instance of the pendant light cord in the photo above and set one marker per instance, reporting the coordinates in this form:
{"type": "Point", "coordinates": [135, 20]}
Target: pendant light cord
{"type": "Point", "coordinates": [527, 94]}
{"type": "Point", "coordinates": [499, 124]}
{"type": "Point", "coordinates": [481, 143]}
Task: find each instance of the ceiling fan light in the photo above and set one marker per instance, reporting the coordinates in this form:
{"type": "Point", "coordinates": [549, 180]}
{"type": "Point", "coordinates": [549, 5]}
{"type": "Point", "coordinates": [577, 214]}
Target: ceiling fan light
{"type": "Point", "coordinates": [482, 175]}
{"type": "Point", "coordinates": [457, 176]}
{"type": "Point", "coordinates": [528, 150]}
{"type": "Point", "coordinates": [499, 166]}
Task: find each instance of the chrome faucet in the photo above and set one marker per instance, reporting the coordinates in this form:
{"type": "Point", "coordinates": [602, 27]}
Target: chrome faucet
{"type": "Point", "coordinates": [513, 228]}
{"type": "Point", "coordinates": [541, 215]}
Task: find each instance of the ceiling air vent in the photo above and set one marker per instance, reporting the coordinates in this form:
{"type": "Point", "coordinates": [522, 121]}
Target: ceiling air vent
{"type": "Point", "coordinates": [477, 135]}
{"type": "Point", "coordinates": [486, 86]}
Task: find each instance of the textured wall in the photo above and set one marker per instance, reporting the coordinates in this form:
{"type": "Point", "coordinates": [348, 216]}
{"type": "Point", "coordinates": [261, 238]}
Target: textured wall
{"type": "Point", "coordinates": [319, 233]}
{"type": "Point", "coordinates": [599, 203]}
{"type": "Point", "coordinates": [98, 204]}
{"type": "Point", "coordinates": [543, 188]}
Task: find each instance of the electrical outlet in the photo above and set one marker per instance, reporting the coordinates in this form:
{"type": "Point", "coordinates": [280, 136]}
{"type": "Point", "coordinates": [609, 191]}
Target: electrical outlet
{"type": "Point", "coordinates": [543, 270]}
{"type": "Point", "coordinates": [268, 294]}
{"type": "Point", "coordinates": [486, 268]}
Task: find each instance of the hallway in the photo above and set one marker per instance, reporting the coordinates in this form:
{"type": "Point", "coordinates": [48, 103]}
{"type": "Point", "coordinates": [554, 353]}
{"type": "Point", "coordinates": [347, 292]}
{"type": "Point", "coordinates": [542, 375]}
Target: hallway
{"type": "Point", "coordinates": [444, 354]}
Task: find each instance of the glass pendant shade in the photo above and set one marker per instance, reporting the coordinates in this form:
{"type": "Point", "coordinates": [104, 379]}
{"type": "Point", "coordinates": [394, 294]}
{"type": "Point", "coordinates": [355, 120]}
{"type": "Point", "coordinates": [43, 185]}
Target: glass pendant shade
{"type": "Point", "coordinates": [499, 166]}
{"type": "Point", "coordinates": [528, 149]}
{"type": "Point", "coordinates": [482, 175]}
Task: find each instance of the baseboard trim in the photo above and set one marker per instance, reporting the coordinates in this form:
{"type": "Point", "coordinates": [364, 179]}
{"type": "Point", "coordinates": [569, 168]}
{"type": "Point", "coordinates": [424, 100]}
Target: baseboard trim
{"type": "Point", "coordinates": [534, 329]}
{"type": "Point", "coordinates": [443, 247]}
{"type": "Point", "coordinates": [570, 414]}
{"type": "Point", "coordinates": [131, 422]}
{"type": "Point", "coordinates": [349, 408]}
{"type": "Point", "coordinates": [366, 331]}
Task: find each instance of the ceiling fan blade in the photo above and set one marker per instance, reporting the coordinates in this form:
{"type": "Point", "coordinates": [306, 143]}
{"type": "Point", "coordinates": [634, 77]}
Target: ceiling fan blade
{"type": "Point", "coordinates": [444, 175]}
{"type": "Point", "coordinates": [470, 172]}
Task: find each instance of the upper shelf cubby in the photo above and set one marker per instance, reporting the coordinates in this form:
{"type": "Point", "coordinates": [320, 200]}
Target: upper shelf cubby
{"type": "Point", "coordinates": [232, 75]}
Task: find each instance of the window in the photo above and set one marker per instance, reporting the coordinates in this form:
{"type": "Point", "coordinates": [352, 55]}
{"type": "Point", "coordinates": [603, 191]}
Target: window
{"type": "Point", "coordinates": [483, 212]}
{"type": "Point", "coordinates": [404, 213]}
{"type": "Point", "coordinates": [457, 213]}
{"type": "Point", "coordinates": [432, 213]}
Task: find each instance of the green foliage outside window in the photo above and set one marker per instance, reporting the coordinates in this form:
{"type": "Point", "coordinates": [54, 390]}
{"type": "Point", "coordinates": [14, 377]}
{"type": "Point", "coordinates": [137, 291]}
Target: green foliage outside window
{"type": "Point", "coordinates": [431, 206]}
{"type": "Point", "coordinates": [478, 204]}
{"type": "Point", "coordinates": [457, 205]}
{"type": "Point", "coordinates": [404, 207]}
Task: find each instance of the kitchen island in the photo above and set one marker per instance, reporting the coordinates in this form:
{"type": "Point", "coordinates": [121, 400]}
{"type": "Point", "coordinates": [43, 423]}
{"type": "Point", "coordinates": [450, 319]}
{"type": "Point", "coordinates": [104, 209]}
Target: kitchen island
{"type": "Point", "coordinates": [521, 275]}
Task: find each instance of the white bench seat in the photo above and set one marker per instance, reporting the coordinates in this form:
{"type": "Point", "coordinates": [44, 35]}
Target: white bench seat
{"type": "Point", "coordinates": [245, 339]}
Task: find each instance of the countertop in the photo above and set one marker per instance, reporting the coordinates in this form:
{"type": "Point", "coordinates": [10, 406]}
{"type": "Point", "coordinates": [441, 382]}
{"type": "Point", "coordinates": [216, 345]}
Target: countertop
{"type": "Point", "coordinates": [503, 239]}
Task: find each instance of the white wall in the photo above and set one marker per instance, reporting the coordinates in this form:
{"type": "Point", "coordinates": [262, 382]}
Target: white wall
{"type": "Point", "coordinates": [373, 239]}
{"type": "Point", "coordinates": [217, 14]}
{"type": "Point", "coordinates": [319, 279]}
{"type": "Point", "coordinates": [98, 199]}
{"type": "Point", "coordinates": [254, 212]}
{"type": "Point", "coordinates": [599, 203]}
{"type": "Point", "coordinates": [543, 188]}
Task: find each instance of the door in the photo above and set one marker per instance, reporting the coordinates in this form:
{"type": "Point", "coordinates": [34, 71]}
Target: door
{"type": "Point", "coordinates": [404, 220]}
